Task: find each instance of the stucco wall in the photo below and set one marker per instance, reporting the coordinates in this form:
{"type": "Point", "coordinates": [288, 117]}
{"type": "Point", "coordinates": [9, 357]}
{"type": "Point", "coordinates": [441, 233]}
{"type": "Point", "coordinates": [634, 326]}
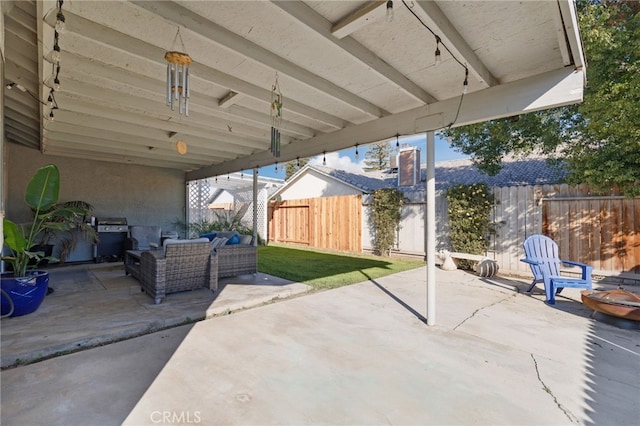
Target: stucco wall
{"type": "Point", "coordinates": [315, 185]}
{"type": "Point", "coordinates": [144, 195]}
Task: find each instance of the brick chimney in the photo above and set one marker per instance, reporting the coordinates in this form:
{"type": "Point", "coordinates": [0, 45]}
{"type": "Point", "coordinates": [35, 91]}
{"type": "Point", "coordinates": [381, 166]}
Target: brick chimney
{"type": "Point", "coordinates": [408, 166]}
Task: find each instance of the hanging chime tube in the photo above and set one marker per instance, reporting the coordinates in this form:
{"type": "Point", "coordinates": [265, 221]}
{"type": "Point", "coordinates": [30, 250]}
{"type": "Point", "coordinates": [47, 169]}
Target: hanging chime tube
{"type": "Point", "coordinates": [186, 92]}
{"type": "Point", "coordinates": [179, 87]}
{"type": "Point", "coordinates": [168, 83]}
{"type": "Point", "coordinates": [183, 88]}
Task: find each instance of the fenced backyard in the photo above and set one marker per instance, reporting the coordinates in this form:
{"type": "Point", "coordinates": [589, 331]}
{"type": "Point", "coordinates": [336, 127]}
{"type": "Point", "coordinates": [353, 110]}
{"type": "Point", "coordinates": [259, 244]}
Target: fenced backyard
{"type": "Point", "coordinates": [603, 231]}
{"type": "Point", "coordinates": [329, 223]}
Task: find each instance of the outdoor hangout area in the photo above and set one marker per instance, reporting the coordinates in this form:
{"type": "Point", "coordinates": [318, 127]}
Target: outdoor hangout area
{"type": "Point", "coordinates": [355, 354]}
{"type": "Point", "coordinates": [319, 212]}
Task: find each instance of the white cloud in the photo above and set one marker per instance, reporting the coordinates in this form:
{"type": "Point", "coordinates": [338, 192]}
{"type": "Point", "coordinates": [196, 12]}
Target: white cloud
{"type": "Point", "coordinates": [336, 161]}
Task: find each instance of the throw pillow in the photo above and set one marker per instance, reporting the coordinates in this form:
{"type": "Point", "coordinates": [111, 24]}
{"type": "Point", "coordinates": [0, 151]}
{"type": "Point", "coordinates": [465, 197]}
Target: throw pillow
{"type": "Point", "coordinates": [234, 240]}
{"type": "Point", "coordinates": [246, 239]}
{"type": "Point", "coordinates": [218, 242]}
{"type": "Point", "coordinates": [209, 235]}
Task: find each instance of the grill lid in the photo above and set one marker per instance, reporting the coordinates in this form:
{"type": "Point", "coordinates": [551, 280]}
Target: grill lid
{"type": "Point", "coordinates": [111, 221]}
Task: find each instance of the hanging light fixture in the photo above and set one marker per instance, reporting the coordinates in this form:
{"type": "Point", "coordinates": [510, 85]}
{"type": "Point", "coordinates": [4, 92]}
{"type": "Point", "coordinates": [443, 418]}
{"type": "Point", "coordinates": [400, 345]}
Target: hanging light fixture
{"type": "Point", "coordinates": [181, 147]}
{"type": "Point", "coordinates": [178, 84]}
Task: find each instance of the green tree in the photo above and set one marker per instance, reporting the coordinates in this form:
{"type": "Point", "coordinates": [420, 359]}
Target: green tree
{"type": "Point", "coordinates": [291, 167]}
{"type": "Point", "coordinates": [377, 156]}
{"type": "Point", "coordinates": [599, 140]}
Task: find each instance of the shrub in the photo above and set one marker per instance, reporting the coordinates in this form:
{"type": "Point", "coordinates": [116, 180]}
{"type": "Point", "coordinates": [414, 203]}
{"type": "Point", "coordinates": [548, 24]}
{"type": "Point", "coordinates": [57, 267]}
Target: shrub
{"type": "Point", "coordinates": [469, 221]}
{"type": "Point", "coordinates": [386, 204]}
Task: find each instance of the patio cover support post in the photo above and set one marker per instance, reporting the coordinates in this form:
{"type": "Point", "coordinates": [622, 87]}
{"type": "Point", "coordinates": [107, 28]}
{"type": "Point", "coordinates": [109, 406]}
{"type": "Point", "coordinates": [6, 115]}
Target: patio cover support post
{"type": "Point", "coordinates": [255, 206]}
{"type": "Point", "coordinates": [431, 229]}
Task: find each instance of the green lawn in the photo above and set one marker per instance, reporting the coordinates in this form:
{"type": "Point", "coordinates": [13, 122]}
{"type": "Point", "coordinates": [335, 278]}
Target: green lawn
{"type": "Point", "coordinates": [324, 270]}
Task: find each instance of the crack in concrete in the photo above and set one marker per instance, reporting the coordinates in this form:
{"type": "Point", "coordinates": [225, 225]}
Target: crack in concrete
{"type": "Point", "coordinates": [547, 389]}
{"type": "Point", "coordinates": [479, 309]}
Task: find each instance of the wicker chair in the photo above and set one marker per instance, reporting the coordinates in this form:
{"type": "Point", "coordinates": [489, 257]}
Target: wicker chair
{"type": "Point", "coordinates": [236, 259]}
{"type": "Point", "coordinates": [188, 265]}
{"type": "Point", "coordinates": [141, 237]}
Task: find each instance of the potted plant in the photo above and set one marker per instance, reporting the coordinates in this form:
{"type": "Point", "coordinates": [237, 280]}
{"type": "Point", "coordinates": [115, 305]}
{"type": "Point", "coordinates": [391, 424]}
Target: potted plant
{"type": "Point", "coordinates": [75, 226]}
{"type": "Point", "coordinates": [24, 288]}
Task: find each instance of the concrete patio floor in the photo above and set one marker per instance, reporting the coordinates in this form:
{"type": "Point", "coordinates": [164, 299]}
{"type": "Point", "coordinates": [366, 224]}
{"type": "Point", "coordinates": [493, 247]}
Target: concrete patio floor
{"type": "Point", "coordinates": [360, 354]}
{"type": "Point", "coordinates": [95, 304]}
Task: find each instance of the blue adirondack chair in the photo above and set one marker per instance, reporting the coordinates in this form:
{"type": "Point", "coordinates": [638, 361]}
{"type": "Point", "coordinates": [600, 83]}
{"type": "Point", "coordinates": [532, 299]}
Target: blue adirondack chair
{"type": "Point", "coordinates": [542, 255]}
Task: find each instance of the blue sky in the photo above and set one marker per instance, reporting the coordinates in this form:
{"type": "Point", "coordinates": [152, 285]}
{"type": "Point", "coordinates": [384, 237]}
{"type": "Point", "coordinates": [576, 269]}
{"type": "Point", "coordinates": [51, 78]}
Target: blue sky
{"type": "Point", "coordinates": [346, 160]}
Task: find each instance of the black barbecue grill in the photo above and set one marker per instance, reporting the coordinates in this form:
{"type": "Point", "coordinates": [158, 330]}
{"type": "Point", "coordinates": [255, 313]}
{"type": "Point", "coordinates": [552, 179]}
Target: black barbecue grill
{"type": "Point", "coordinates": [112, 232]}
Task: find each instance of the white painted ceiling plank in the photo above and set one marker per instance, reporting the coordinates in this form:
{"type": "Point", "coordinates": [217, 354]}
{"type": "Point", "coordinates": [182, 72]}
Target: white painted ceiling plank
{"type": "Point", "coordinates": [132, 46]}
{"type": "Point", "coordinates": [182, 16]}
{"type": "Point", "coordinates": [78, 152]}
{"type": "Point", "coordinates": [166, 152]}
{"type": "Point", "coordinates": [570, 19]}
{"type": "Point", "coordinates": [433, 17]}
{"type": "Point", "coordinates": [562, 41]}
{"type": "Point", "coordinates": [361, 17]}
{"type": "Point", "coordinates": [186, 129]}
{"type": "Point", "coordinates": [322, 26]}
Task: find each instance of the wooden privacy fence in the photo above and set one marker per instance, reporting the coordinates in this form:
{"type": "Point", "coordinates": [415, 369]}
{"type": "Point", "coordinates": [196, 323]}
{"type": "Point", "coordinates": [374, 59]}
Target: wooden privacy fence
{"type": "Point", "coordinates": [331, 223]}
{"type": "Point", "coordinates": [602, 231]}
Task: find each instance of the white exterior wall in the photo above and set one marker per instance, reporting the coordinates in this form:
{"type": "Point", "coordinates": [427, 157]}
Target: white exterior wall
{"type": "Point", "coordinates": [315, 185]}
{"type": "Point", "coordinates": [410, 237]}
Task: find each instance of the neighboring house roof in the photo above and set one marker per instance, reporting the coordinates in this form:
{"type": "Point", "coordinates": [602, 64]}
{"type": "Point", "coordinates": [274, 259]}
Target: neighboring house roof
{"type": "Point", "coordinates": [534, 171]}
{"type": "Point", "coordinates": [515, 172]}
{"type": "Point", "coordinates": [363, 182]}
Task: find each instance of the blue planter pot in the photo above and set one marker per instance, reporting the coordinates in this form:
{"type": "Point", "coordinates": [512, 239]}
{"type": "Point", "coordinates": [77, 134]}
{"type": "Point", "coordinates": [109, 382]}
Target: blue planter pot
{"type": "Point", "coordinates": [26, 293]}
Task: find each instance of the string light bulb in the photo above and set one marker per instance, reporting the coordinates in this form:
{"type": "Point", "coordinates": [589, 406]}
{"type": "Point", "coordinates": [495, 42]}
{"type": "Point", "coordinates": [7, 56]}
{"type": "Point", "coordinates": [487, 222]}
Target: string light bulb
{"type": "Point", "coordinates": [60, 19]}
{"type": "Point", "coordinates": [389, 14]}
{"type": "Point", "coordinates": [324, 158]}
{"type": "Point", "coordinates": [55, 54]}
{"type": "Point", "coordinates": [298, 162]}
{"type": "Point", "coordinates": [357, 155]}
{"type": "Point", "coordinates": [56, 80]}
{"type": "Point", "coordinates": [397, 140]}
{"type": "Point", "coordinates": [50, 118]}
{"type": "Point", "coordinates": [465, 85]}
{"type": "Point", "coordinates": [276, 167]}
{"type": "Point", "coordinates": [438, 56]}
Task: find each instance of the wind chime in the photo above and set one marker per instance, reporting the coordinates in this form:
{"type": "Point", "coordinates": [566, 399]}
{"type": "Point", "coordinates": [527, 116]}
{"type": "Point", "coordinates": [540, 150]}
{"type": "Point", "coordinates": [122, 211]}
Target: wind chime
{"type": "Point", "coordinates": [276, 117]}
{"type": "Point", "coordinates": [178, 77]}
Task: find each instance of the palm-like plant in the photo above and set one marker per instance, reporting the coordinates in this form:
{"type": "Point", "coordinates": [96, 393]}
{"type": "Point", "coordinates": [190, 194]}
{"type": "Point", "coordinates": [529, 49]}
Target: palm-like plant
{"type": "Point", "coordinates": [48, 217]}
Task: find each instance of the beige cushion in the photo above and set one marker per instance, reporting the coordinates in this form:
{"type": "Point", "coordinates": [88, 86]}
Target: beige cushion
{"type": "Point", "coordinates": [169, 241]}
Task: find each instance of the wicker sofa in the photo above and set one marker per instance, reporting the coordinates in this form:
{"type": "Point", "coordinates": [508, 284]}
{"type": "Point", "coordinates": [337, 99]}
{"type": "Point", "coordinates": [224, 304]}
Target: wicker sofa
{"type": "Point", "coordinates": [238, 258]}
{"type": "Point", "coordinates": [182, 265]}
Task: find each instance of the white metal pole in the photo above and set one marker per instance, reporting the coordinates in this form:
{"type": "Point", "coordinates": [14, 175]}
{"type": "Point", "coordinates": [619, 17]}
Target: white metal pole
{"type": "Point", "coordinates": [255, 206]}
{"type": "Point", "coordinates": [431, 229]}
